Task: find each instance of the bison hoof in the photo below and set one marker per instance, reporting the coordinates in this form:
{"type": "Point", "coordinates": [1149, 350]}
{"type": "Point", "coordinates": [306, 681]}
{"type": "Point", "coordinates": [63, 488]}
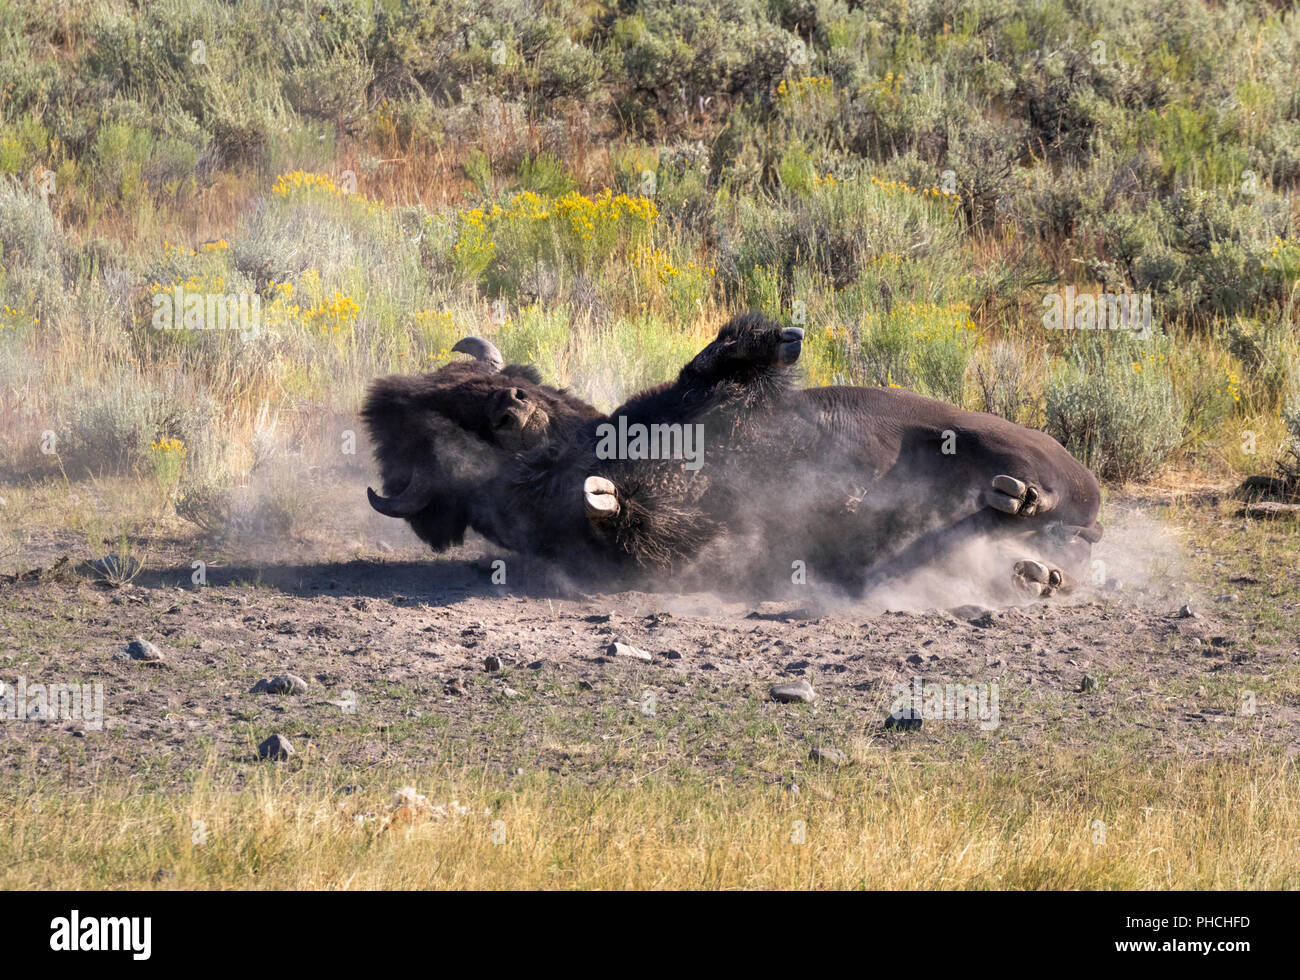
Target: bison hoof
{"type": "Point", "coordinates": [1016, 497]}
{"type": "Point", "coordinates": [1011, 486]}
{"type": "Point", "coordinates": [1039, 579]}
{"type": "Point", "coordinates": [601, 498]}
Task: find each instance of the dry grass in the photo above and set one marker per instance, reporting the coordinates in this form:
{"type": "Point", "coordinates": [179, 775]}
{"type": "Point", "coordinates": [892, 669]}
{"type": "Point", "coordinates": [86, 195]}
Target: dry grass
{"type": "Point", "coordinates": [887, 822]}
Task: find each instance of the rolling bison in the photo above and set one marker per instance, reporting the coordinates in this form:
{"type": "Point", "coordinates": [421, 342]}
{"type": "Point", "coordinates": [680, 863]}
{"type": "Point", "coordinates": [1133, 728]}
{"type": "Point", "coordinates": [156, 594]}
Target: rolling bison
{"type": "Point", "coordinates": [851, 485]}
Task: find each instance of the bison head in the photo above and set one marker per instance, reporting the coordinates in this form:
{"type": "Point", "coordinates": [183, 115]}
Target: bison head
{"type": "Point", "coordinates": [439, 438]}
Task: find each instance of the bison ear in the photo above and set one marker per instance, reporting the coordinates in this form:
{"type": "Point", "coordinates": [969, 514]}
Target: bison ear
{"type": "Point", "coordinates": [525, 371]}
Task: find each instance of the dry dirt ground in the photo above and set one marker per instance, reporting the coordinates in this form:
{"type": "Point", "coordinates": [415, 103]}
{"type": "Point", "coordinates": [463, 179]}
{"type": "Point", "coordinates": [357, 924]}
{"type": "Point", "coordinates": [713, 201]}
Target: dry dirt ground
{"type": "Point", "coordinates": [396, 645]}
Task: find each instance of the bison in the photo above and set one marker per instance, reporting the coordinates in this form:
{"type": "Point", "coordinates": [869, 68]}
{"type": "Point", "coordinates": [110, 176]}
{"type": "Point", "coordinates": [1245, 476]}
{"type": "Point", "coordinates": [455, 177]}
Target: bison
{"type": "Point", "coordinates": [857, 484]}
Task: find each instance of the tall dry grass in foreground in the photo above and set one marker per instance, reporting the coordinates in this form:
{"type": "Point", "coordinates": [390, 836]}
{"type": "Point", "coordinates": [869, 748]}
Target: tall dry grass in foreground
{"type": "Point", "coordinates": [887, 823]}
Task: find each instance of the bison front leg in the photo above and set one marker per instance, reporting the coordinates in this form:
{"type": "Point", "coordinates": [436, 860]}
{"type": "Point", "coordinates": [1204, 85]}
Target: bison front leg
{"type": "Point", "coordinates": [1018, 498]}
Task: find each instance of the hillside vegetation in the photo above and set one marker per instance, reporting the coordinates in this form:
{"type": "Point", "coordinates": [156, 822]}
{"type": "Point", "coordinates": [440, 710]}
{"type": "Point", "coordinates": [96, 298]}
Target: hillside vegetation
{"type": "Point", "coordinates": [928, 187]}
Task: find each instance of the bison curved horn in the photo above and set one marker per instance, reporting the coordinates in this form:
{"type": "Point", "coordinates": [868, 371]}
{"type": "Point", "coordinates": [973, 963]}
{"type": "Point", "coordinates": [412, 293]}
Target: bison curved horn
{"type": "Point", "coordinates": [481, 350]}
{"type": "Point", "coordinates": [413, 499]}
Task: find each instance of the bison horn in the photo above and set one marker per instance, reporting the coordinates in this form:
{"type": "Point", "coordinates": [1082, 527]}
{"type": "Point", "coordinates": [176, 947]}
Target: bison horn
{"type": "Point", "coordinates": [413, 499]}
{"type": "Point", "coordinates": [481, 350]}
{"type": "Point", "coordinates": [600, 497]}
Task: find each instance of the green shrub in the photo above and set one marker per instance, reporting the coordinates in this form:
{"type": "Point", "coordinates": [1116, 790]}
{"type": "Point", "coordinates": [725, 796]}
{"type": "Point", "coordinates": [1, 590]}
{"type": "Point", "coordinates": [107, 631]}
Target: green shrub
{"type": "Point", "coordinates": [110, 428]}
{"type": "Point", "coordinates": [1113, 407]}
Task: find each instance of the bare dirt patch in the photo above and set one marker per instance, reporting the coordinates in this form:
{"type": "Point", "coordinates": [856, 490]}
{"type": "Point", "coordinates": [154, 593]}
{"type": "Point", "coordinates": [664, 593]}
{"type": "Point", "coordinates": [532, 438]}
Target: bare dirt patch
{"type": "Point", "coordinates": [412, 659]}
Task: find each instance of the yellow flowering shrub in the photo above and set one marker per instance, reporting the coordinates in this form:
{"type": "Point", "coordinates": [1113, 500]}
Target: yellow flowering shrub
{"type": "Point", "coordinates": [504, 243]}
{"type": "Point", "coordinates": [167, 456]}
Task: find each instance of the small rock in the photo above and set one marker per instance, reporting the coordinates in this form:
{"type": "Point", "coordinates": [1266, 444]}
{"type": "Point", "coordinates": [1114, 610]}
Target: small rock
{"type": "Point", "coordinates": [277, 748]}
{"type": "Point", "coordinates": [829, 755]}
{"type": "Point", "coordinates": [617, 649]}
{"type": "Point", "coordinates": [491, 664]}
{"type": "Point", "coordinates": [905, 719]}
{"type": "Point", "coordinates": [916, 660]}
{"type": "Point", "coordinates": [969, 611]}
{"type": "Point", "coordinates": [142, 650]}
{"type": "Point", "coordinates": [510, 692]}
{"type": "Point", "coordinates": [280, 684]}
{"type": "Point", "coordinates": [794, 691]}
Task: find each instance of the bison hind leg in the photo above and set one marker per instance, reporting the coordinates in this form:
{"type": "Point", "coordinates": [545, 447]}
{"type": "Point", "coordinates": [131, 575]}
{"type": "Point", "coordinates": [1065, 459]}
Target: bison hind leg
{"type": "Point", "coordinates": [1040, 580]}
{"type": "Point", "coordinates": [1018, 498]}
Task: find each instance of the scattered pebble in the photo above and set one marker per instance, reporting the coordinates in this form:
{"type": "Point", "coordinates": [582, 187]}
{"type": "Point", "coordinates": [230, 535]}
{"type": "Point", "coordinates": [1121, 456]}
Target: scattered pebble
{"type": "Point", "coordinates": [280, 684]}
{"type": "Point", "coordinates": [905, 719]}
{"type": "Point", "coordinates": [794, 691]}
{"type": "Point", "coordinates": [276, 748]}
{"type": "Point", "coordinates": [617, 649]}
{"type": "Point", "coordinates": [829, 755]}
{"type": "Point", "coordinates": [142, 650]}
